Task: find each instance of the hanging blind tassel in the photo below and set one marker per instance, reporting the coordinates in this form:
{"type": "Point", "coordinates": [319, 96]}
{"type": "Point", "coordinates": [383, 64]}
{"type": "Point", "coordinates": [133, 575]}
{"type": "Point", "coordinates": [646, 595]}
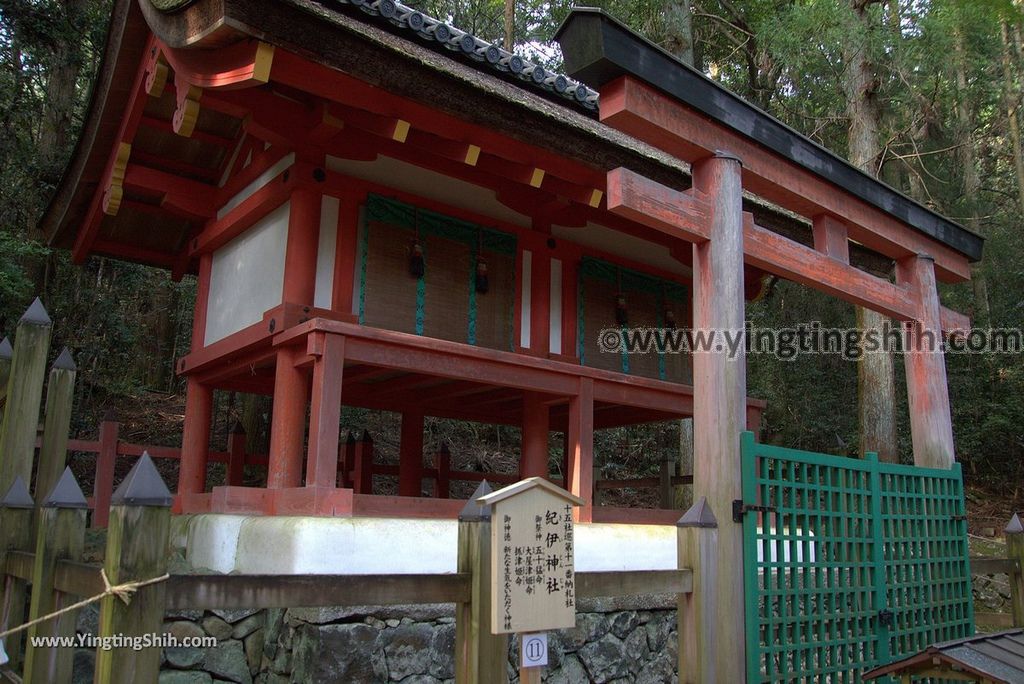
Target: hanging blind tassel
{"type": "Point", "coordinates": [621, 312]}
{"type": "Point", "coordinates": [482, 281]}
{"type": "Point", "coordinates": [417, 267]}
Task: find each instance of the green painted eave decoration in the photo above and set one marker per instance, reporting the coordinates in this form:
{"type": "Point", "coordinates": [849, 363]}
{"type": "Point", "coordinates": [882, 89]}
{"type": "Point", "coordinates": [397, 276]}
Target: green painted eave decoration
{"type": "Point", "coordinates": [396, 213]}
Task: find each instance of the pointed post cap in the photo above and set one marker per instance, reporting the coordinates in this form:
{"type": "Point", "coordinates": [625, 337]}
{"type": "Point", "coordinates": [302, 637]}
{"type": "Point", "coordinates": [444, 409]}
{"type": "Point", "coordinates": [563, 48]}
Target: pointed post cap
{"type": "Point", "coordinates": [65, 362]}
{"type": "Point", "coordinates": [17, 496]}
{"type": "Point", "coordinates": [366, 436]}
{"type": "Point", "coordinates": [36, 314]}
{"type": "Point", "coordinates": [238, 428]}
{"type": "Point", "coordinates": [474, 511]}
{"type": "Point", "coordinates": [1014, 526]}
{"type": "Point", "coordinates": [142, 486]}
{"type": "Point", "coordinates": [66, 493]}
{"type": "Point", "coordinates": [699, 515]}
{"type": "Point", "coordinates": [351, 438]}
{"type": "Point", "coordinates": [6, 351]}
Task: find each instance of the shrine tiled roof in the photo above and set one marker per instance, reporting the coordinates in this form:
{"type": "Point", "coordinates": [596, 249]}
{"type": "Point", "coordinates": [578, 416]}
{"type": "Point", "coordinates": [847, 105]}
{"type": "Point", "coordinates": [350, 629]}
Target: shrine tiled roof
{"type": "Point", "coordinates": [436, 33]}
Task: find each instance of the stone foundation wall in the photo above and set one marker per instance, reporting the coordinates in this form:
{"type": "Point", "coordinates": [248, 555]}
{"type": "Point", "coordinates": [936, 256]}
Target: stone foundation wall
{"type": "Point", "coordinates": [614, 641]}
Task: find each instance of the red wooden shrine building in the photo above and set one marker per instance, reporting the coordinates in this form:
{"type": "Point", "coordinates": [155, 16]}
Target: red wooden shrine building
{"type": "Point", "coordinates": [384, 211]}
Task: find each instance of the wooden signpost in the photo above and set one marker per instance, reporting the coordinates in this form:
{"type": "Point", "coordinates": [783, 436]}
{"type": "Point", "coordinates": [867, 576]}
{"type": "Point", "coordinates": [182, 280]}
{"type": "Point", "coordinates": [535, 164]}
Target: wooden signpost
{"type": "Point", "coordinates": [533, 579]}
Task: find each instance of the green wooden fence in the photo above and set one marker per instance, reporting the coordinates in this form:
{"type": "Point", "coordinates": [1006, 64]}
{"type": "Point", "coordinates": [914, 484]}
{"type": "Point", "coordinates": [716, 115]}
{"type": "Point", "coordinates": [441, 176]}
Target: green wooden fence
{"type": "Point", "coordinates": [849, 563]}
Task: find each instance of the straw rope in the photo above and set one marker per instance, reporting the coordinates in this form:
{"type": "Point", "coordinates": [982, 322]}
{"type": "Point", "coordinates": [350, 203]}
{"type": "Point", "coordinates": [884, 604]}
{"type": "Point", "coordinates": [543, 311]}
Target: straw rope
{"type": "Point", "coordinates": [121, 591]}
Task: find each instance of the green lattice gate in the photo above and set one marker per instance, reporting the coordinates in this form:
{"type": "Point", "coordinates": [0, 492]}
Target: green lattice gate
{"type": "Point", "coordinates": [849, 563]}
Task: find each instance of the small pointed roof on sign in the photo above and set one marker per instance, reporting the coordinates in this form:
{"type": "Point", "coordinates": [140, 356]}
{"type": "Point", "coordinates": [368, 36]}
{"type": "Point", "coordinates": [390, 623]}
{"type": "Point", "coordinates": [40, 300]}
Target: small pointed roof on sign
{"type": "Point", "coordinates": [36, 314]}
{"type": "Point", "coordinates": [66, 494]}
{"type": "Point", "coordinates": [17, 496]}
{"type": "Point", "coordinates": [142, 486]}
{"type": "Point", "coordinates": [1014, 526]}
{"type": "Point", "coordinates": [525, 485]}
{"type": "Point", "coordinates": [473, 511]}
{"type": "Point", "coordinates": [6, 351]}
{"type": "Point", "coordinates": [65, 361]}
{"type": "Point", "coordinates": [698, 515]}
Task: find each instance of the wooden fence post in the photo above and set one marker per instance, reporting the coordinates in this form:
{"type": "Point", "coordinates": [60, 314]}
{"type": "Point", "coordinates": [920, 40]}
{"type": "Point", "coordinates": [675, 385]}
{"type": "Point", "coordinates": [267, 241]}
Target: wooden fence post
{"type": "Point", "coordinates": [60, 395]}
{"type": "Point", "coordinates": [362, 474]}
{"type": "Point", "coordinates": [15, 535]}
{"type": "Point", "coordinates": [698, 535]}
{"type": "Point", "coordinates": [443, 463]}
{"type": "Point", "coordinates": [137, 537]}
{"type": "Point", "coordinates": [1015, 551]}
{"type": "Point", "coordinates": [236, 455]}
{"type": "Point", "coordinates": [24, 396]}
{"type": "Point", "coordinates": [61, 536]}
{"type": "Point", "coordinates": [479, 655]}
{"type": "Point", "coordinates": [106, 459]}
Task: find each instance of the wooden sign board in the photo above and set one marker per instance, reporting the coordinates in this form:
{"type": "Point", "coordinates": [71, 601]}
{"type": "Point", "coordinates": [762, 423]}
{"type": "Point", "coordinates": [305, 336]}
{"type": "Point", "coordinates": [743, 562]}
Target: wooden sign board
{"type": "Point", "coordinates": [533, 581]}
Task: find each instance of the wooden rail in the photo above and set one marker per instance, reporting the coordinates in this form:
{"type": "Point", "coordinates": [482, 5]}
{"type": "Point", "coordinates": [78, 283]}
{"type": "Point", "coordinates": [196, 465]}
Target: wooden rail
{"type": "Point", "coordinates": [281, 591]}
{"type": "Point", "coordinates": [1011, 567]}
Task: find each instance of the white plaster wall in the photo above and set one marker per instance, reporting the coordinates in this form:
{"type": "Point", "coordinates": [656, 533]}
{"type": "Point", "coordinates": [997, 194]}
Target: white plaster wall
{"type": "Point", "coordinates": [261, 180]}
{"type": "Point", "coordinates": [555, 308]}
{"type": "Point", "coordinates": [325, 252]}
{"type": "Point", "coordinates": [621, 244]}
{"type": "Point", "coordinates": [247, 276]}
{"type": "Point", "coordinates": [307, 545]}
{"type": "Point", "coordinates": [525, 295]}
{"type": "Point", "coordinates": [419, 181]}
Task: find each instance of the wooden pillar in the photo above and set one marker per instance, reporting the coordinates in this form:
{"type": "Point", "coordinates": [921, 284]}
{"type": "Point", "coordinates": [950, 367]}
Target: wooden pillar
{"type": "Point", "coordinates": [61, 536]}
{"type": "Point", "coordinates": [325, 410]}
{"type": "Point", "coordinates": [60, 395]}
{"type": "Point", "coordinates": [665, 493]}
{"type": "Point", "coordinates": [195, 438]}
{"type": "Point", "coordinates": [106, 460]}
{"type": "Point", "coordinates": [16, 508]}
{"type": "Point", "coordinates": [683, 494]}
{"type": "Point", "coordinates": [698, 538]}
{"type": "Point", "coordinates": [236, 455]}
{"type": "Point", "coordinates": [362, 471]}
{"type": "Point", "coordinates": [540, 303]}
{"type": "Point", "coordinates": [830, 238]}
{"type": "Point", "coordinates": [1014, 534]}
{"type": "Point", "coordinates": [410, 457]}
{"type": "Point", "coordinates": [140, 524]}
{"type": "Point", "coordinates": [345, 253]}
{"type": "Point", "coordinates": [536, 426]}
{"type": "Point", "coordinates": [719, 417]}
{"type": "Point", "coordinates": [931, 425]}
{"type": "Point", "coordinates": [24, 396]}
{"type": "Point", "coordinates": [479, 655]}
{"type": "Point", "coordinates": [348, 462]}
{"type": "Point", "coordinates": [303, 240]}
{"type": "Point", "coordinates": [581, 448]}
{"type": "Point", "coordinates": [443, 465]}
{"type": "Point", "coordinates": [288, 421]}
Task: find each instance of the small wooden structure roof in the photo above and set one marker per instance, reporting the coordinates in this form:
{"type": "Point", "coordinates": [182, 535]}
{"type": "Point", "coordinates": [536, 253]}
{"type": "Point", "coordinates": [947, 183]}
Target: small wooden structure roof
{"type": "Point", "coordinates": [524, 485]}
{"type": "Point", "coordinates": [988, 658]}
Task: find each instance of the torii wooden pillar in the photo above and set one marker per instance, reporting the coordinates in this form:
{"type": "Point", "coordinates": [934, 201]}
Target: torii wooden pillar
{"type": "Point", "coordinates": [719, 412]}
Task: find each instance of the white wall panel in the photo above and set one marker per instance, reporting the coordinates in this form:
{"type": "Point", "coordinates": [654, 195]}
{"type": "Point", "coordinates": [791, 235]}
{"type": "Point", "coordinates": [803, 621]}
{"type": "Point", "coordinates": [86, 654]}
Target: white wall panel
{"type": "Point", "coordinates": [247, 276]}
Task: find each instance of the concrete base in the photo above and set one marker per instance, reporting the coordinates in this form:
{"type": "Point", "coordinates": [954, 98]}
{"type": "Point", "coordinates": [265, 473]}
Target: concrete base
{"type": "Point", "coordinates": [295, 545]}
